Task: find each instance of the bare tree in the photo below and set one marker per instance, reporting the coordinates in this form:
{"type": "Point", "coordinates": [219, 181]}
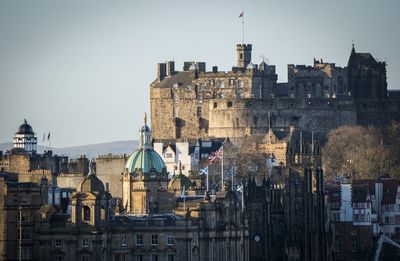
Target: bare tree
{"type": "Point", "coordinates": [358, 152]}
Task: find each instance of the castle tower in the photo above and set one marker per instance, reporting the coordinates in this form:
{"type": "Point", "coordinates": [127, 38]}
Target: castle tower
{"type": "Point", "coordinates": [25, 138]}
{"type": "Point", "coordinates": [145, 180]}
{"type": "Point", "coordinates": [243, 52]}
{"type": "Point", "coordinates": [366, 76]}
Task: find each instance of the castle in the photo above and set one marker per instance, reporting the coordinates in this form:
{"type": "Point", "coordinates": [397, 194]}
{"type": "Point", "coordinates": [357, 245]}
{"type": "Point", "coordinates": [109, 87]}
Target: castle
{"type": "Point", "coordinates": [195, 103]}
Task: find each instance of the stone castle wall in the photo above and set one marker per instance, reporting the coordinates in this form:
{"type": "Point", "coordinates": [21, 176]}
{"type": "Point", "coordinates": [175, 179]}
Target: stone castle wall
{"type": "Point", "coordinates": [252, 116]}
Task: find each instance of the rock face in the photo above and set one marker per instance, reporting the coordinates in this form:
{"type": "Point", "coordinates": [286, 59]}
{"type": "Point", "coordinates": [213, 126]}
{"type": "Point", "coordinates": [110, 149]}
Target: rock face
{"type": "Point", "coordinates": [195, 103]}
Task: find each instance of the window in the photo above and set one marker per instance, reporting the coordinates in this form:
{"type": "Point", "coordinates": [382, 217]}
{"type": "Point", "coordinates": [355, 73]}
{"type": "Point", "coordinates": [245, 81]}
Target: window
{"type": "Point", "coordinates": [170, 240]}
{"type": "Point", "coordinates": [124, 241]}
{"type": "Point", "coordinates": [215, 105]}
{"type": "Point", "coordinates": [212, 82]}
{"type": "Point", "coordinates": [221, 84]}
{"type": "Point", "coordinates": [337, 245]}
{"type": "Point", "coordinates": [154, 257]}
{"type": "Point", "coordinates": [138, 257]}
{"type": "Point", "coordinates": [229, 104]}
{"type": "Point", "coordinates": [58, 243]}
{"type": "Point", "coordinates": [232, 82]}
{"type": "Point", "coordinates": [241, 84]}
{"type": "Point", "coordinates": [85, 242]}
{"type": "Point", "coordinates": [86, 213]}
{"type": "Point", "coordinates": [170, 257]}
{"type": "Point", "coordinates": [23, 234]}
{"type": "Point", "coordinates": [58, 258]}
{"type": "Point", "coordinates": [139, 240]}
{"type": "Point", "coordinates": [25, 254]}
{"type": "Point", "coordinates": [154, 239]}
{"type": "Point", "coordinates": [85, 258]}
{"type": "Point", "coordinates": [353, 246]}
{"type": "Point", "coordinates": [199, 111]}
{"type": "Point", "coordinates": [23, 216]}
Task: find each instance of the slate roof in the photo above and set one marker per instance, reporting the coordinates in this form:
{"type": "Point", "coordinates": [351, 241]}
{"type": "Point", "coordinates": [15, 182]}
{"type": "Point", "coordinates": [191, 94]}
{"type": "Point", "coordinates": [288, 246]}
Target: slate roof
{"type": "Point", "coordinates": [183, 79]}
{"type": "Point", "coordinates": [390, 191]}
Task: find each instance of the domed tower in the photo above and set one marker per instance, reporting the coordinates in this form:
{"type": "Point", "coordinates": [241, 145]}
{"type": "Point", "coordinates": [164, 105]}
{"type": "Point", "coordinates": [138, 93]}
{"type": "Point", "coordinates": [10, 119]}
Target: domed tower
{"type": "Point", "coordinates": [90, 203]}
{"type": "Point", "coordinates": [145, 180]}
{"type": "Point", "coordinates": [25, 138]}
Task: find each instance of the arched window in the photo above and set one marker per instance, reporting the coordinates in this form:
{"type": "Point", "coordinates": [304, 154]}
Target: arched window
{"type": "Point", "coordinates": [102, 213]}
{"type": "Point", "coordinates": [229, 104]}
{"type": "Point", "coordinates": [86, 213]}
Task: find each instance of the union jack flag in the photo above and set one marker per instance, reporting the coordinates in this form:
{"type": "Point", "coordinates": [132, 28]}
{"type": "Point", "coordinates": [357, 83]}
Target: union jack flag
{"type": "Point", "coordinates": [213, 157]}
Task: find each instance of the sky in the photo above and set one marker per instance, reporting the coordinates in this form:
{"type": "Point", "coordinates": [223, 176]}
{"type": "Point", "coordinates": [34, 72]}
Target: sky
{"type": "Point", "coordinates": [81, 70]}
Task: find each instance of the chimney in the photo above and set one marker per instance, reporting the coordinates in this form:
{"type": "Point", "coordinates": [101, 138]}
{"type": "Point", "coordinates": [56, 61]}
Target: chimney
{"type": "Point", "coordinates": [170, 68]}
{"type": "Point", "coordinates": [202, 67]}
{"type": "Point", "coordinates": [186, 66]}
{"type": "Point", "coordinates": [215, 69]}
{"type": "Point", "coordinates": [161, 70]}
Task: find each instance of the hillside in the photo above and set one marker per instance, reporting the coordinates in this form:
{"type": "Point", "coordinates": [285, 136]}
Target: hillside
{"type": "Point", "coordinates": [90, 150]}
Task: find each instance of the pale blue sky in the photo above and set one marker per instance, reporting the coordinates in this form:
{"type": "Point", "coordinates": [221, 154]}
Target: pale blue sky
{"type": "Point", "coordinates": [82, 69]}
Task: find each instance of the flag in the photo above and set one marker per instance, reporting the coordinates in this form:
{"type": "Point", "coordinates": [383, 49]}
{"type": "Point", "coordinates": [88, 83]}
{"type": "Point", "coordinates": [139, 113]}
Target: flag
{"type": "Point", "coordinates": [213, 157]}
{"type": "Point", "coordinates": [48, 136]}
{"type": "Point", "coordinates": [240, 188]}
{"type": "Point", "coordinates": [44, 137]}
{"type": "Point", "coordinates": [231, 172]}
{"type": "Point", "coordinates": [183, 192]}
{"type": "Point", "coordinates": [241, 14]}
{"type": "Point", "coordinates": [271, 162]}
{"type": "Point", "coordinates": [204, 171]}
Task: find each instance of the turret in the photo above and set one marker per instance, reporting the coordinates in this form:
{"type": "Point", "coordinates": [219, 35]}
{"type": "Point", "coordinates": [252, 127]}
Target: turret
{"type": "Point", "coordinates": [243, 52]}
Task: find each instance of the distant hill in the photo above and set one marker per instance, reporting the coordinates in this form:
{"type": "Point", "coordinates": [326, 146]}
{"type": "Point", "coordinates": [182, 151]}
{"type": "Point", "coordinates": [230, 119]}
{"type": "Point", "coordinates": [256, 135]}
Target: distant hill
{"type": "Point", "coordinates": [90, 150]}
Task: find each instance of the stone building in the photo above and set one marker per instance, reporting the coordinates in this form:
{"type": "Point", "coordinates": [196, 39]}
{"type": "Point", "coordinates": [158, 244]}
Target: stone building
{"type": "Point", "coordinates": [287, 217]}
{"type": "Point", "coordinates": [19, 206]}
{"type": "Point", "coordinates": [152, 222]}
{"type": "Point", "coordinates": [145, 180]}
{"type": "Point", "coordinates": [195, 103]}
{"type": "Point", "coordinates": [321, 80]}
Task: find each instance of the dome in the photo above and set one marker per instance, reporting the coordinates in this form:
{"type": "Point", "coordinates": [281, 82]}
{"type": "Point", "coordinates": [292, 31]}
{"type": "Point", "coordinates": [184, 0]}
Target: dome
{"type": "Point", "coordinates": [179, 182]}
{"type": "Point", "coordinates": [25, 129]}
{"type": "Point", "coordinates": [145, 160]}
{"type": "Point", "coordinates": [91, 183]}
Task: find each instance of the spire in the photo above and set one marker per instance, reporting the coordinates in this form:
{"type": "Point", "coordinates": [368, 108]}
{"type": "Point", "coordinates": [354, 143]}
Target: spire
{"type": "Point", "coordinates": [352, 48]}
{"type": "Point", "coordinates": [145, 135]}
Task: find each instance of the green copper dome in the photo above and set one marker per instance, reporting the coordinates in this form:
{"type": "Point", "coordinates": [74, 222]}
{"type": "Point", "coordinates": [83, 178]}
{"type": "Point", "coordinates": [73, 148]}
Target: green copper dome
{"type": "Point", "coordinates": [145, 158]}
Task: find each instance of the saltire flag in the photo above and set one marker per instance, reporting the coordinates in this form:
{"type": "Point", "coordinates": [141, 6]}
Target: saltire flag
{"type": "Point", "coordinates": [204, 171]}
{"type": "Point", "coordinates": [212, 158]}
{"type": "Point", "coordinates": [271, 162]}
{"type": "Point", "coordinates": [232, 172]}
{"type": "Point", "coordinates": [240, 188]}
{"type": "Point", "coordinates": [183, 192]}
{"type": "Point", "coordinates": [241, 14]}
{"type": "Point", "coordinates": [48, 136]}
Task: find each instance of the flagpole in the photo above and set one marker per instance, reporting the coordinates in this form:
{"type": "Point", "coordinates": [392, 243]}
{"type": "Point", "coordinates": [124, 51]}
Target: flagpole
{"type": "Point", "coordinates": [233, 172]}
{"type": "Point", "coordinates": [222, 168]}
{"type": "Point", "coordinates": [243, 27]}
{"type": "Point", "coordinates": [207, 179]}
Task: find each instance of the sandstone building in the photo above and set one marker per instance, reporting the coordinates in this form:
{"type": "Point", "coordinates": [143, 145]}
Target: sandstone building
{"type": "Point", "coordinates": [196, 103]}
